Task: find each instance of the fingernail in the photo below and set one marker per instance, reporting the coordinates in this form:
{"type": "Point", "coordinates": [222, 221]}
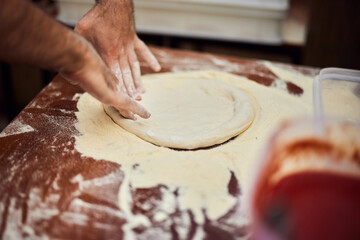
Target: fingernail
{"type": "Point", "coordinates": [134, 94]}
{"type": "Point", "coordinates": [157, 67]}
{"type": "Point", "coordinates": [138, 97]}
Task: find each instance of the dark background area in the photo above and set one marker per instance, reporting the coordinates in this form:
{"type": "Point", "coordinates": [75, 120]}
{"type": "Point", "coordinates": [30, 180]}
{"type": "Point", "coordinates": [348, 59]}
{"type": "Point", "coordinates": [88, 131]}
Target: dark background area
{"type": "Point", "coordinates": [332, 30]}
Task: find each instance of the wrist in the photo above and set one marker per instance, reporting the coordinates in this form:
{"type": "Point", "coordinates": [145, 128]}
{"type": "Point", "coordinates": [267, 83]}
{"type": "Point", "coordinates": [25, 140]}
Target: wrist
{"type": "Point", "coordinates": [77, 54]}
{"type": "Point", "coordinates": [118, 2]}
{"type": "Point", "coordinates": [117, 8]}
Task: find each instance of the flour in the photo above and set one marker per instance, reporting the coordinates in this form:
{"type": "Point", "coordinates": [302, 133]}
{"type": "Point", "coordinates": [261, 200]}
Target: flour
{"type": "Point", "coordinates": [200, 177]}
{"type": "Point", "coordinates": [43, 210]}
{"type": "Point", "coordinates": [224, 65]}
{"type": "Point", "coordinates": [74, 218]}
{"type": "Point", "coordinates": [291, 75]}
{"type": "Point", "coordinates": [206, 62]}
{"type": "Point", "coordinates": [280, 84]}
{"type": "Point", "coordinates": [16, 127]}
{"type": "Point", "coordinates": [76, 96]}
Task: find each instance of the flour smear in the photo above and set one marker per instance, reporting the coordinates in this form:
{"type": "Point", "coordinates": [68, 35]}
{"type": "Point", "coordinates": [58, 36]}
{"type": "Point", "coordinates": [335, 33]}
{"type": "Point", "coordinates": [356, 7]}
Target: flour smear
{"type": "Point", "coordinates": [200, 177]}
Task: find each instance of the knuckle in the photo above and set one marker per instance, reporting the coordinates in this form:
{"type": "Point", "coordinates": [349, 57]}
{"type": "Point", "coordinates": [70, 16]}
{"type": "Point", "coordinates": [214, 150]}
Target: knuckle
{"type": "Point", "coordinates": [126, 71]}
{"type": "Point", "coordinates": [143, 50]}
{"type": "Point", "coordinates": [136, 65]}
{"type": "Point", "coordinates": [138, 41]}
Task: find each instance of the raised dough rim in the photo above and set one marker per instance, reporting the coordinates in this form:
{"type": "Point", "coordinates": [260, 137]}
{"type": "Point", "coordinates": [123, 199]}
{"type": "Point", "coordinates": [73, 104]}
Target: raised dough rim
{"type": "Point", "coordinates": [205, 144]}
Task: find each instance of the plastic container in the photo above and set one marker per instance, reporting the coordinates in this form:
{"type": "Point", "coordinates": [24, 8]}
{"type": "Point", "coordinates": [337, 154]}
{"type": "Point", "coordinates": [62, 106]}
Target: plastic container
{"type": "Point", "coordinates": [257, 21]}
{"type": "Point", "coordinates": [336, 94]}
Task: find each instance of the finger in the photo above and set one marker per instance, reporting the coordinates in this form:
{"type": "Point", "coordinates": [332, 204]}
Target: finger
{"type": "Point", "coordinates": [125, 102]}
{"type": "Point", "coordinates": [127, 114]}
{"type": "Point", "coordinates": [120, 100]}
{"type": "Point", "coordinates": [101, 90]}
{"type": "Point", "coordinates": [115, 68]}
{"type": "Point", "coordinates": [136, 72]}
{"type": "Point", "coordinates": [128, 79]}
{"type": "Point", "coordinates": [146, 54]}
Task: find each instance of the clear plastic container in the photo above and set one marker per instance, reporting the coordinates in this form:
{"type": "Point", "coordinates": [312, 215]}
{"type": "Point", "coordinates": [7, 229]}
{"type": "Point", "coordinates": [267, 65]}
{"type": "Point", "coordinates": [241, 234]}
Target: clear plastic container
{"type": "Point", "coordinates": [336, 94]}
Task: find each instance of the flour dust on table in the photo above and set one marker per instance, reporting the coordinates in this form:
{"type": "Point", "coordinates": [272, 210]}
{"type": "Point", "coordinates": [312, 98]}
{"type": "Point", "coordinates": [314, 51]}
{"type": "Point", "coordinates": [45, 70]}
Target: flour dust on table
{"type": "Point", "coordinates": [193, 188]}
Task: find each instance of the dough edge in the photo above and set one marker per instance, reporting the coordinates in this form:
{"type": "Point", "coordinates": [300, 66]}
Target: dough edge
{"type": "Point", "coordinates": [232, 128]}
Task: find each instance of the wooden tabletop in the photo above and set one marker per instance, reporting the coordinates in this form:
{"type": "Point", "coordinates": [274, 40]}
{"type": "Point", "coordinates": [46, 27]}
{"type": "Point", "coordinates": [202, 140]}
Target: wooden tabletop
{"type": "Point", "coordinates": [37, 190]}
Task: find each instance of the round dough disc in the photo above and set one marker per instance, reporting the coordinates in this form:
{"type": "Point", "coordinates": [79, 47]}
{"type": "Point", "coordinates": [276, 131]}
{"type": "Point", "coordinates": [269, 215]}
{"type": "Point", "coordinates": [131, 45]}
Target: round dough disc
{"type": "Point", "coordinates": [189, 113]}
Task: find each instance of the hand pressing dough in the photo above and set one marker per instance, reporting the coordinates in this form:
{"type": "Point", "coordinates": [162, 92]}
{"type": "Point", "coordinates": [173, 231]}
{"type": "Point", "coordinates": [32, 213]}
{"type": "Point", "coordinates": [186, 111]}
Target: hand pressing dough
{"type": "Point", "coordinates": [189, 113]}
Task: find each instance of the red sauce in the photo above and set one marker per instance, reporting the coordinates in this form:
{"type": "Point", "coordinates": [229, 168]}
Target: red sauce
{"type": "Point", "coordinates": [311, 205]}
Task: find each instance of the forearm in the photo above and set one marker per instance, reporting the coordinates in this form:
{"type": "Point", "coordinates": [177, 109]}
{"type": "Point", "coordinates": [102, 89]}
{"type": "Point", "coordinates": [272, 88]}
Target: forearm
{"type": "Point", "coordinates": [30, 36]}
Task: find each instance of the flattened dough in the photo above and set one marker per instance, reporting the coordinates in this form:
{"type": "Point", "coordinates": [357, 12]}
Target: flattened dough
{"type": "Point", "coordinates": [189, 113]}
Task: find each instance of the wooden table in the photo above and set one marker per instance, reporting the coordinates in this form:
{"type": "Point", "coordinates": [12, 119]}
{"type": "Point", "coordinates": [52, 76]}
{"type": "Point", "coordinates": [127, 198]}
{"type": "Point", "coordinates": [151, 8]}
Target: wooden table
{"type": "Point", "coordinates": [38, 163]}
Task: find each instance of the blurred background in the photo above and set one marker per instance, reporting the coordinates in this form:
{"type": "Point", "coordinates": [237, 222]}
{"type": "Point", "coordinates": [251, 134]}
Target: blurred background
{"type": "Point", "coordinates": [316, 33]}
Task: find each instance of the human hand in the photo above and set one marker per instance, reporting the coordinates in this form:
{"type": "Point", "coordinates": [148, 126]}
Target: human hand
{"type": "Point", "coordinates": [40, 40]}
{"type": "Point", "coordinates": [109, 26]}
{"type": "Point", "coordinates": [95, 77]}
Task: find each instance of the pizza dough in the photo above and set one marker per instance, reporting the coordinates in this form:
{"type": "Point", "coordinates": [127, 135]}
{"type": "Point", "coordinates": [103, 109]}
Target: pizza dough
{"type": "Point", "coordinates": [189, 113]}
{"type": "Point", "coordinates": [196, 181]}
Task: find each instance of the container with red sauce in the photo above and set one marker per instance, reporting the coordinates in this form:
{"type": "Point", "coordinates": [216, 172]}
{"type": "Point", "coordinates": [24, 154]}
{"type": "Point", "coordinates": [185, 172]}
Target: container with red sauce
{"type": "Point", "coordinates": [308, 186]}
